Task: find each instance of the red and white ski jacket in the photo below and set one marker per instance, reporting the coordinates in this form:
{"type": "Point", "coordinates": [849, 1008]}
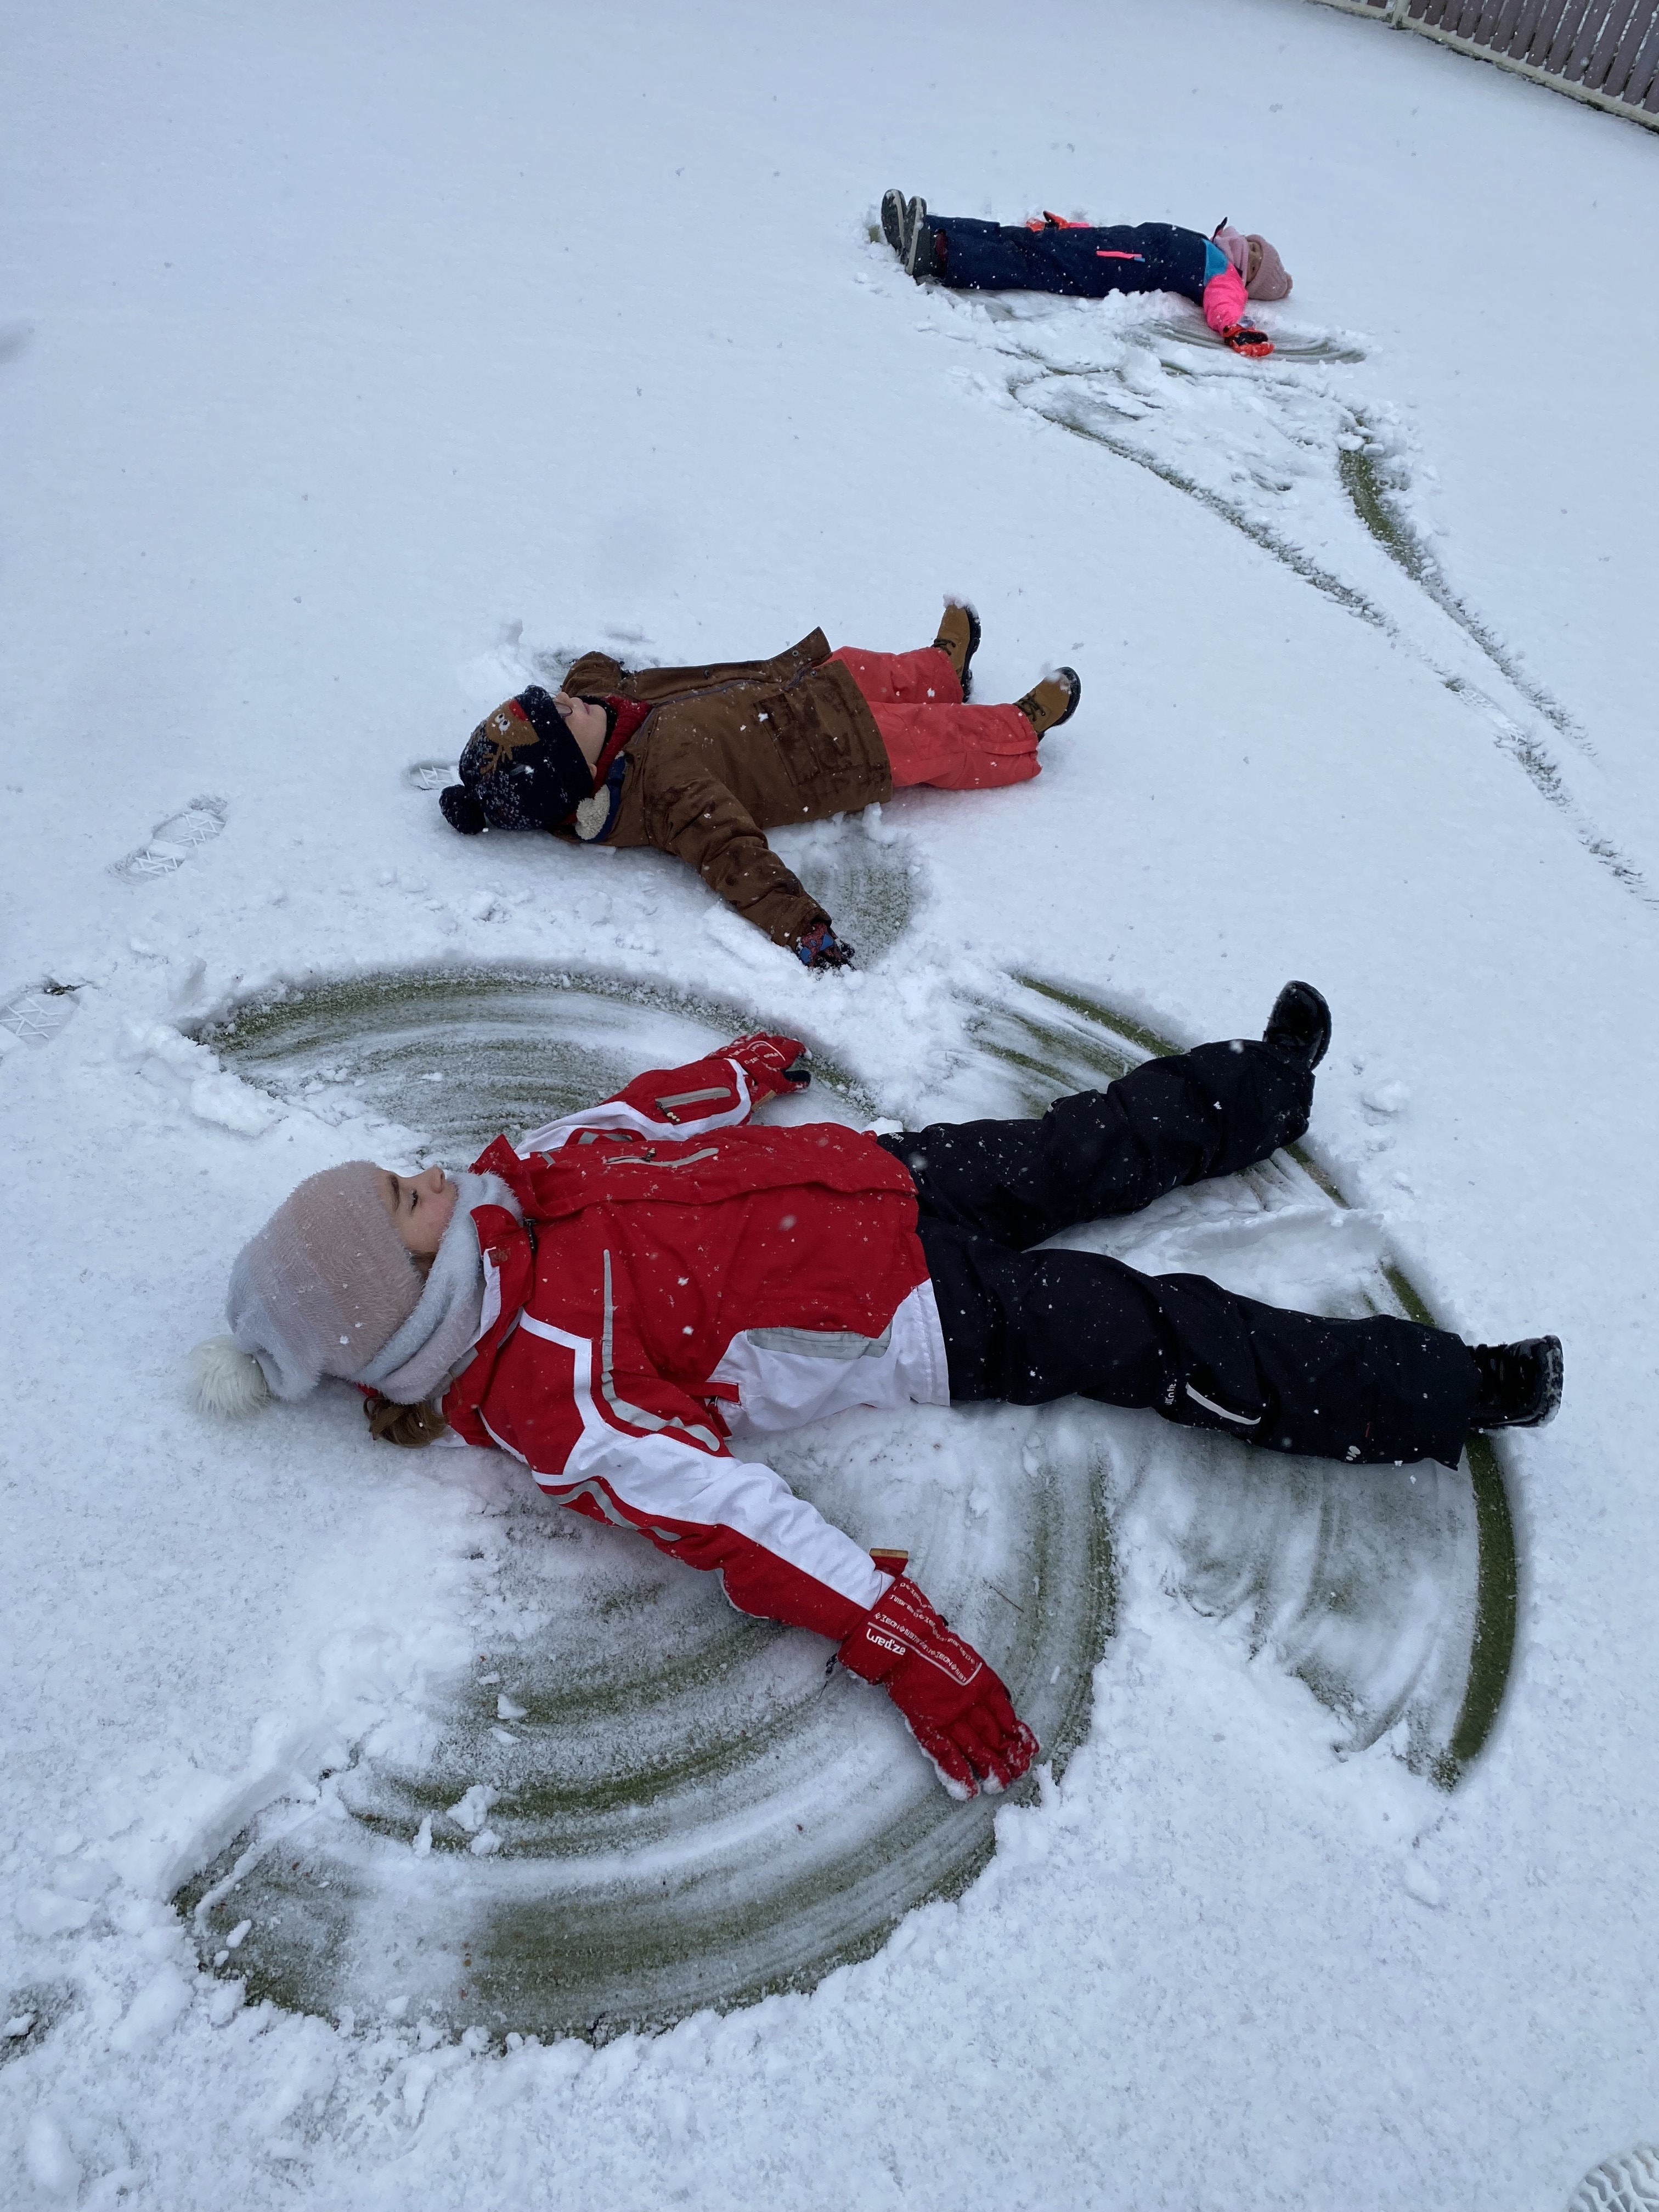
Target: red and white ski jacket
{"type": "Point", "coordinates": [680, 1278]}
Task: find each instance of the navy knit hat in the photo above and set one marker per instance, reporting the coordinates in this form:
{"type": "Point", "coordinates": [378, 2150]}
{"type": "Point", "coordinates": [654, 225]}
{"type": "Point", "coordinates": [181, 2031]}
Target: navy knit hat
{"type": "Point", "coordinates": [522, 769]}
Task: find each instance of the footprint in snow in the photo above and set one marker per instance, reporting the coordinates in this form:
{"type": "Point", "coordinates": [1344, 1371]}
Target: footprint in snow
{"type": "Point", "coordinates": [1628, 2183]}
{"type": "Point", "coordinates": [35, 1014]}
{"type": "Point", "coordinates": [431, 775]}
{"type": "Point", "coordinates": [172, 842]}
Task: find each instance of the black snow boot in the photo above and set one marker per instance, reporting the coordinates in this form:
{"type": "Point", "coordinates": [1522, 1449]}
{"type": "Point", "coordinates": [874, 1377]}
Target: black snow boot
{"type": "Point", "coordinates": [1299, 1027]}
{"type": "Point", "coordinates": [917, 251]}
{"type": "Point", "coordinates": [958, 640]}
{"type": "Point", "coordinates": [1520, 1383]}
{"type": "Point", "coordinates": [894, 206]}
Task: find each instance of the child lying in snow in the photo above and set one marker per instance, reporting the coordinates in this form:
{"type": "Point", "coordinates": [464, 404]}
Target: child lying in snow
{"type": "Point", "coordinates": [648, 1278]}
{"type": "Point", "coordinates": [701, 762]}
{"type": "Point", "coordinates": [1219, 273]}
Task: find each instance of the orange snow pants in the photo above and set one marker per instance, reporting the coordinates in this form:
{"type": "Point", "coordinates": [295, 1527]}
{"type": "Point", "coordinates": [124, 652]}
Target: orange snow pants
{"type": "Point", "coordinates": [930, 736]}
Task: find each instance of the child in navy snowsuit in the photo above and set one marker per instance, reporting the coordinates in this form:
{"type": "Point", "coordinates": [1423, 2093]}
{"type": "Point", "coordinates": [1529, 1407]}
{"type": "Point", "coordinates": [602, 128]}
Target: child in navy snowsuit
{"type": "Point", "coordinates": [1219, 274]}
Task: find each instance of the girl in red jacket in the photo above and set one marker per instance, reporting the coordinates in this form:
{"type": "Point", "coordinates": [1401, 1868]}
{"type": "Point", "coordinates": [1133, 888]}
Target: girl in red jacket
{"type": "Point", "coordinates": [640, 1282]}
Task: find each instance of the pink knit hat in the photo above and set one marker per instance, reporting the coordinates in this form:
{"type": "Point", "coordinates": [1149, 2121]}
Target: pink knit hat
{"type": "Point", "coordinates": [325, 1285]}
{"type": "Point", "coordinates": [1272, 279]}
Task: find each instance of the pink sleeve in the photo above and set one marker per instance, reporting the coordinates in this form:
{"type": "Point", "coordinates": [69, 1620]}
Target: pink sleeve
{"type": "Point", "coordinates": [1225, 300]}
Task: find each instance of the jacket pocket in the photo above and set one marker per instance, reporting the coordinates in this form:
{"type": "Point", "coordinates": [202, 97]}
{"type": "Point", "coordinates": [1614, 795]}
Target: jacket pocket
{"type": "Point", "coordinates": [821, 745]}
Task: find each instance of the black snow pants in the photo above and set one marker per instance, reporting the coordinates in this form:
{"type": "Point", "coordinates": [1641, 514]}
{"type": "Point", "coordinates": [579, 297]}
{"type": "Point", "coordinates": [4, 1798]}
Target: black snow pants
{"type": "Point", "coordinates": [1030, 1326]}
{"type": "Point", "coordinates": [1121, 256]}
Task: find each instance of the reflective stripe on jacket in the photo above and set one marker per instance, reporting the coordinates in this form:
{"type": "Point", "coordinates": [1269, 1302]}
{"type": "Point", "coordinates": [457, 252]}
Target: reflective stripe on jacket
{"type": "Point", "coordinates": [678, 1278]}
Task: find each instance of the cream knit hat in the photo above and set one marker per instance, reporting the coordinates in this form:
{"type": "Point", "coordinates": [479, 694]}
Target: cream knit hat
{"type": "Point", "coordinates": [325, 1285]}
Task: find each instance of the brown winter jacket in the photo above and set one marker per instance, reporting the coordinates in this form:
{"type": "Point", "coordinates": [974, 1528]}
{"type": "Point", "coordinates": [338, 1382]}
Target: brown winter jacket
{"type": "Point", "coordinates": [736, 749]}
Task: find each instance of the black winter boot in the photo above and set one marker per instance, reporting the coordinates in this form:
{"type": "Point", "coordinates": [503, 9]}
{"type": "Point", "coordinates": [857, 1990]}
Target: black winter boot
{"type": "Point", "coordinates": [917, 252]}
{"type": "Point", "coordinates": [1299, 1027]}
{"type": "Point", "coordinates": [893, 207]}
{"type": "Point", "coordinates": [1520, 1383]}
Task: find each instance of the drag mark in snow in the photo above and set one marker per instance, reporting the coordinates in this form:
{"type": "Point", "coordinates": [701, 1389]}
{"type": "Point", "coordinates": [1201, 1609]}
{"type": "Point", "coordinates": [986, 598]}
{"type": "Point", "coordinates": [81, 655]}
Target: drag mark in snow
{"type": "Point", "coordinates": [1527, 750]}
{"type": "Point", "coordinates": [1378, 504]}
{"type": "Point", "coordinates": [1291, 462]}
{"type": "Point", "coordinates": [173, 841]}
{"type": "Point", "coordinates": [31, 2014]}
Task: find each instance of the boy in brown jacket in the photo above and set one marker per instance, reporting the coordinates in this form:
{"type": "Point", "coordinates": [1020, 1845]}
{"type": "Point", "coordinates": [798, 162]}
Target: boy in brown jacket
{"type": "Point", "coordinates": [702, 762]}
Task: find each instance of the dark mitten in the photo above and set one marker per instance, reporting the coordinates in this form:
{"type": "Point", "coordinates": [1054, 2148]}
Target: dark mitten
{"type": "Point", "coordinates": [820, 947]}
{"type": "Point", "coordinates": [461, 810]}
{"type": "Point", "coordinates": [1245, 338]}
{"type": "Point", "coordinates": [957, 1709]}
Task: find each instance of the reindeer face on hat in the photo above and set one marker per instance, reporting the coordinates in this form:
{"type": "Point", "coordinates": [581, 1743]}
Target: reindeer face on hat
{"type": "Point", "coordinates": [522, 769]}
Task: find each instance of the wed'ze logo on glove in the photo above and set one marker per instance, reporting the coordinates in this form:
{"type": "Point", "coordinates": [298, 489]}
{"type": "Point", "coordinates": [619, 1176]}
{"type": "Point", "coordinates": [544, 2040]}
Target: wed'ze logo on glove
{"type": "Point", "coordinates": [957, 1707]}
{"type": "Point", "coordinates": [911, 1625]}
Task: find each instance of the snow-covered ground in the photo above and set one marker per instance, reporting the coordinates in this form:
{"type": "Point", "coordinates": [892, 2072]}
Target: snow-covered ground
{"type": "Point", "coordinates": [356, 364]}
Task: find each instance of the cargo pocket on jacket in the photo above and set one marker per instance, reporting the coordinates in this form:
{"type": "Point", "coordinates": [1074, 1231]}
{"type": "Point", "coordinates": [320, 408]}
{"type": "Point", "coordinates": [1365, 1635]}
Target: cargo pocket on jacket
{"type": "Point", "coordinates": [808, 725]}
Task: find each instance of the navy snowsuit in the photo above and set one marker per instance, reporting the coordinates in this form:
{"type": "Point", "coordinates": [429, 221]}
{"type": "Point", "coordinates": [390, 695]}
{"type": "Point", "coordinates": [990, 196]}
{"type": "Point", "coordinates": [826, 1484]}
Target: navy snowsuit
{"type": "Point", "coordinates": [971, 256]}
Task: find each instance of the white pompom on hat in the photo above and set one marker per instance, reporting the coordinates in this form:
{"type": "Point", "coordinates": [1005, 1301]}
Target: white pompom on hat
{"type": "Point", "coordinates": [229, 1381]}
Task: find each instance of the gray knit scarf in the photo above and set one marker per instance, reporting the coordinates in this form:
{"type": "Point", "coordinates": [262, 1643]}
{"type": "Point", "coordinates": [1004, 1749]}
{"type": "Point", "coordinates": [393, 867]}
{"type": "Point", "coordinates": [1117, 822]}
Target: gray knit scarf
{"type": "Point", "coordinates": [445, 1325]}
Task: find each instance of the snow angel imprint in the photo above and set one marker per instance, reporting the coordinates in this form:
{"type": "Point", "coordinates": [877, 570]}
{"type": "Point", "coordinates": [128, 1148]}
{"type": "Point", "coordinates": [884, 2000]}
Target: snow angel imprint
{"type": "Point", "coordinates": [644, 1280]}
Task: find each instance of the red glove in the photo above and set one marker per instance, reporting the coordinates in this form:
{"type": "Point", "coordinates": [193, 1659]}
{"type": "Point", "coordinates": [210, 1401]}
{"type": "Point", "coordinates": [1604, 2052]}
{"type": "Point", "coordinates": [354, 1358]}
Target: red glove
{"type": "Point", "coordinates": [956, 1708]}
{"type": "Point", "coordinates": [1245, 338]}
{"type": "Point", "coordinates": [774, 1065]}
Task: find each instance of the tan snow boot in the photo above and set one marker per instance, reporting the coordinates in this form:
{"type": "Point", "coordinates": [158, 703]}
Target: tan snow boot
{"type": "Point", "coordinates": [958, 640]}
{"type": "Point", "coordinates": [1051, 703]}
